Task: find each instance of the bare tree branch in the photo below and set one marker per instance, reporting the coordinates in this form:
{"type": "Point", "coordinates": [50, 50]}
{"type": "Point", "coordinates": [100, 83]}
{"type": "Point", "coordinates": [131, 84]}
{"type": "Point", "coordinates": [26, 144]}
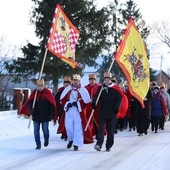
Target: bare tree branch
{"type": "Point", "coordinates": [7, 54]}
{"type": "Point", "coordinates": [161, 30]}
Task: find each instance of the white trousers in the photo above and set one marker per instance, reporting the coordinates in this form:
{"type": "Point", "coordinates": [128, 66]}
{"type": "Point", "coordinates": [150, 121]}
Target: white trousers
{"type": "Point", "coordinates": [74, 127]}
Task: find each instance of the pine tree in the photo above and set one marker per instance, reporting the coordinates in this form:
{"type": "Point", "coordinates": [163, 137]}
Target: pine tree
{"type": "Point", "coordinates": [94, 29]}
{"type": "Point", "coordinates": [121, 13]}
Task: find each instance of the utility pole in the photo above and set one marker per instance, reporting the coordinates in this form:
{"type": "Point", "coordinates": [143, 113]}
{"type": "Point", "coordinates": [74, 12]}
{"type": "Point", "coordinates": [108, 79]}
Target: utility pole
{"type": "Point", "coordinates": [161, 69]}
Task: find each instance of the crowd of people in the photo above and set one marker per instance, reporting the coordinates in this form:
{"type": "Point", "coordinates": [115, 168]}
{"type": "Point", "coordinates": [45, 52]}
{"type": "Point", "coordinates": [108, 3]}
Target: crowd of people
{"type": "Point", "coordinates": [154, 115]}
{"type": "Point", "coordinates": [95, 112]}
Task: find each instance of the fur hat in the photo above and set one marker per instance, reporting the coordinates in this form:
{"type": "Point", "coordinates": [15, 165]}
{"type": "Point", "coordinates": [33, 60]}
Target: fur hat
{"type": "Point", "coordinates": [92, 76]}
{"type": "Point", "coordinates": [76, 77]}
{"type": "Point", "coordinates": [107, 75]}
{"type": "Point", "coordinates": [40, 82]}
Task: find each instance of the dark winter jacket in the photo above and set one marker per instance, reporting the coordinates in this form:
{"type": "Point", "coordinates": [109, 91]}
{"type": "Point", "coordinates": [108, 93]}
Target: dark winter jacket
{"type": "Point", "coordinates": [109, 102]}
{"type": "Point", "coordinates": [44, 110]}
{"type": "Point", "coordinates": [157, 108]}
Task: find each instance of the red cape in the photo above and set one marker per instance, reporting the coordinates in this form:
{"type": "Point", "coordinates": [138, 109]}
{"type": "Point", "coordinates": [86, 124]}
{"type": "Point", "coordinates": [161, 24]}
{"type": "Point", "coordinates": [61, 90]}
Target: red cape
{"type": "Point", "coordinates": [56, 97]}
{"type": "Point", "coordinates": [124, 103]}
{"type": "Point", "coordinates": [46, 94]}
{"type": "Point", "coordinates": [165, 111]}
{"type": "Point", "coordinates": [129, 97]}
{"type": "Point", "coordinates": [94, 123]}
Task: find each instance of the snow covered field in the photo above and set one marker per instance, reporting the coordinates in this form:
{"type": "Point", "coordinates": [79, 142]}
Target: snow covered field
{"type": "Point", "coordinates": [130, 152]}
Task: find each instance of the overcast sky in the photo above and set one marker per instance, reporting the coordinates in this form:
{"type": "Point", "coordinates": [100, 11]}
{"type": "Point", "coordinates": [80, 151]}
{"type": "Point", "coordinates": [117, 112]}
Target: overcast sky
{"type": "Point", "coordinates": [14, 17]}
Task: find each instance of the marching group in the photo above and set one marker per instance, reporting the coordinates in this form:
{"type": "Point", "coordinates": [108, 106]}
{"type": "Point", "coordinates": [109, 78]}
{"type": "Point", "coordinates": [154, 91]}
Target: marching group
{"type": "Point", "coordinates": [89, 113]}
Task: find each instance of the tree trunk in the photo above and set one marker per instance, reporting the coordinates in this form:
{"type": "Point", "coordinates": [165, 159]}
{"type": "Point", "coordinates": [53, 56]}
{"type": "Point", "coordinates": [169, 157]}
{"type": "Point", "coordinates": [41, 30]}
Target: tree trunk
{"type": "Point", "coordinates": [55, 85]}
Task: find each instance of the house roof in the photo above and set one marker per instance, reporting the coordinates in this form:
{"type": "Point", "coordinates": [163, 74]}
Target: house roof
{"type": "Point", "coordinates": [158, 72]}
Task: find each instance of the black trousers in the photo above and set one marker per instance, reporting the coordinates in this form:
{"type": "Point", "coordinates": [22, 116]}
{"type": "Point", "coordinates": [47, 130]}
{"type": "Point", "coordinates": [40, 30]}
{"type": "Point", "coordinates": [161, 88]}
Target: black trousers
{"type": "Point", "coordinates": [142, 122]}
{"type": "Point", "coordinates": [162, 122]}
{"type": "Point", "coordinates": [109, 124]}
{"type": "Point", "coordinates": [155, 122]}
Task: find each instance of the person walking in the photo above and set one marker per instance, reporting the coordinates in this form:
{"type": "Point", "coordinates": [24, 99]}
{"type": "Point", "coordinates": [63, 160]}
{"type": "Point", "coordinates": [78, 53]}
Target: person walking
{"type": "Point", "coordinates": [166, 97]}
{"type": "Point", "coordinates": [74, 99]}
{"type": "Point", "coordinates": [92, 88]}
{"type": "Point", "coordinates": [142, 115]}
{"type": "Point", "coordinates": [60, 109]}
{"type": "Point", "coordinates": [42, 112]}
{"type": "Point", "coordinates": [158, 108]}
{"type": "Point", "coordinates": [109, 105]}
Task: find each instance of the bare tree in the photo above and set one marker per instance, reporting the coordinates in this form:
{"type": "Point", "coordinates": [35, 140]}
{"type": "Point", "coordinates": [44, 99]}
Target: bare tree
{"type": "Point", "coordinates": [162, 31]}
{"type": "Point", "coordinates": [7, 54]}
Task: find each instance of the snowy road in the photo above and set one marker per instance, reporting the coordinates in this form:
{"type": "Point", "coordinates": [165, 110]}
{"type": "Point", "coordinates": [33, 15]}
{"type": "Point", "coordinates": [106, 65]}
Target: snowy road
{"type": "Point", "coordinates": [149, 152]}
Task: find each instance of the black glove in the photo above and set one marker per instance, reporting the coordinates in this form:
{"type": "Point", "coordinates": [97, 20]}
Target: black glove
{"type": "Point", "coordinates": [74, 104]}
{"type": "Point", "coordinates": [93, 105]}
{"type": "Point", "coordinates": [69, 105]}
{"type": "Point", "coordinates": [116, 110]}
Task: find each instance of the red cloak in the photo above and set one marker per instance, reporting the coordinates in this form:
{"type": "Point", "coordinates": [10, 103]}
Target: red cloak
{"type": "Point", "coordinates": [124, 103]}
{"type": "Point", "coordinates": [129, 97]}
{"type": "Point", "coordinates": [45, 94]}
{"type": "Point", "coordinates": [57, 96]}
{"type": "Point", "coordinates": [94, 123]}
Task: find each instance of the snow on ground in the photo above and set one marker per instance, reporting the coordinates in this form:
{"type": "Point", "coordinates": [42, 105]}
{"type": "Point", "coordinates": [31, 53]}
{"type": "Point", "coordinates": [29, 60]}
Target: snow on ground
{"type": "Point", "coordinates": [17, 150]}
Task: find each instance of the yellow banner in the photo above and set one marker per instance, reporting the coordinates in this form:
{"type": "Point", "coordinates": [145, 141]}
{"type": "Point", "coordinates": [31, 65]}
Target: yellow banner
{"type": "Point", "coordinates": [132, 58]}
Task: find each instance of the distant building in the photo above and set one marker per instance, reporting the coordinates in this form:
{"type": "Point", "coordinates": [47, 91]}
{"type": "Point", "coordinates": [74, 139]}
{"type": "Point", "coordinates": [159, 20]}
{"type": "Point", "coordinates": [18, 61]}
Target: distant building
{"type": "Point", "coordinates": [161, 76]}
{"type": "Point", "coordinates": [7, 87]}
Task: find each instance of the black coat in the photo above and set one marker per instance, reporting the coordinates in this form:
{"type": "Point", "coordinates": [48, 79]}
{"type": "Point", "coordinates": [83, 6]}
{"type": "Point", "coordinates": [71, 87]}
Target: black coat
{"type": "Point", "coordinates": [109, 102]}
{"type": "Point", "coordinates": [43, 110]}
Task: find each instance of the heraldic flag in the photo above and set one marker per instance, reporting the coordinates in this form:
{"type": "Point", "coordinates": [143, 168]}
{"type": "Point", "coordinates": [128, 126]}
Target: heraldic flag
{"type": "Point", "coordinates": [63, 38]}
{"type": "Point", "coordinates": [131, 56]}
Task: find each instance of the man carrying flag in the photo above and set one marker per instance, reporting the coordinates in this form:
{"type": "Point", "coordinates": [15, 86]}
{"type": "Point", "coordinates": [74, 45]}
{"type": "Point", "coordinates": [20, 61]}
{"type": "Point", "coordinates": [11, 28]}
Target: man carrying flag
{"type": "Point", "coordinates": [42, 113]}
{"type": "Point", "coordinates": [109, 106]}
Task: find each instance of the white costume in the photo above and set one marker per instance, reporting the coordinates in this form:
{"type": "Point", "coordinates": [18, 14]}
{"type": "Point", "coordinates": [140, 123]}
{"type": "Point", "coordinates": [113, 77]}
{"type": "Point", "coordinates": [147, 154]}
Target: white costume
{"type": "Point", "coordinates": [73, 122]}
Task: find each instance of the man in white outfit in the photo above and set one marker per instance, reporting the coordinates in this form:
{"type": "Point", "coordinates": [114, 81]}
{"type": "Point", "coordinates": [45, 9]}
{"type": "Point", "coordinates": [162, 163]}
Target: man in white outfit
{"type": "Point", "coordinates": [74, 98]}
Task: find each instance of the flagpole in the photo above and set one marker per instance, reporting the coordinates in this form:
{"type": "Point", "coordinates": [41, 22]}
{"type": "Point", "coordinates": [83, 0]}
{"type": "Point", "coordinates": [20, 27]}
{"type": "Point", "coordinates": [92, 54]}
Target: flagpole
{"type": "Point", "coordinates": [92, 112]}
{"type": "Point", "coordinates": [35, 96]}
{"type": "Point", "coordinates": [42, 67]}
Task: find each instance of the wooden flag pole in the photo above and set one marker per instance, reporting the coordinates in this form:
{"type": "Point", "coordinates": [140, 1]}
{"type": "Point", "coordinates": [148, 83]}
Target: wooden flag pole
{"type": "Point", "coordinates": [43, 63]}
{"type": "Point", "coordinates": [35, 96]}
{"type": "Point", "coordinates": [92, 112]}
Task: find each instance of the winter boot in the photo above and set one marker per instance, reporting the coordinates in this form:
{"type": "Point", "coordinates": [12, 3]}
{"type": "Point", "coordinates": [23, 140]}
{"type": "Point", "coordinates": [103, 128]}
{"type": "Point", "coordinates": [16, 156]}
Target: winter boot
{"type": "Point", "coordinates": [75, 148]}
{"type": "Point", "coordinates": [69, 145]}
{"type": "Point", "coordinates": [38, 147]}
{"type": "Point", "coordinates": [46, 143]}
{"type": "Point", "coordinates": [108, 148]}
{"type": "Point", "coordinates": [97, 147]}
